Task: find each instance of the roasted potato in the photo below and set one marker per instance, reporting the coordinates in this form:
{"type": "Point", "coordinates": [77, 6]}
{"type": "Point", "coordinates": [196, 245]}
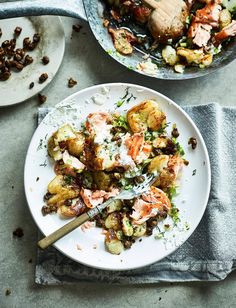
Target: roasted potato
{"type": "Point", "coordinates": [197, 56]}
{"type": "Point", "coordinates": [102, 180]}
{"type": "Point", "coordinates": [76, 207]}
{"type": "Point", "coordinates": [66, 211]}
{"type": "Point", "coordinates": [140, 230]}
{"type": "Point", "coordinates": [169, 174]}
{"type": "Point", "coordinates": [64, 133]}
{"type": "Point", "coordinates": [98, 157]}
{"type": "Point", "coordinates": [225, 18]}
{"type": "Point", "coordinates": [160, 142]}
{"type": "Point", "coordinates": [76, 145]}
{"type": "Point", "coordinates": [169, 55]}
{"type": "Point", "coordinates": [116, 205]}
{"type": "Point", "coordinates": [126, 226]}
{"type": "Point", "coordinates": [54, 151]}
{"type": "Point", "coordinates": [112, 243]}
{"type": "Point", "coordinates": [60, 192]}
{"type": "Point", "coordinates": [113, 221]}
{"type": "Point", "coordinates": [158, 163]}
{"type": "Point", "coordinates": [146, 115]}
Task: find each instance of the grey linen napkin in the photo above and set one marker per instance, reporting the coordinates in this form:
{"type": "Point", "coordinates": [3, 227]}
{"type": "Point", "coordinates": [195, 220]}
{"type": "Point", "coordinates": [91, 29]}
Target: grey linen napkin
{"type": "Point", "coordinates": [210, 253]}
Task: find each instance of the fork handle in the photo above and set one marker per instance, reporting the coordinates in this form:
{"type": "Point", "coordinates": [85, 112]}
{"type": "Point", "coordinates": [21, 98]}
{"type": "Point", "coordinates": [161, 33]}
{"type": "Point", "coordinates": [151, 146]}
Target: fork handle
{"type": "Point", "coordinates": [72, 225]}
{"type": "Point", "coordinates": [56, 235]}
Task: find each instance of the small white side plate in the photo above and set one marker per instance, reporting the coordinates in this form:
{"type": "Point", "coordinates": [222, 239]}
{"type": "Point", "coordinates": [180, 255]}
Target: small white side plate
{"type": "Point", "coordinates": [52, 44]}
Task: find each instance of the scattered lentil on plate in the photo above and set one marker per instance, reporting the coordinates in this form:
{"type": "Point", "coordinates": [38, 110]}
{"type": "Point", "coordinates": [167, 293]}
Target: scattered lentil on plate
{"type": "Point", "coordinates": [17, 31]}
{"type": "Point", "coordinates": [193, 142]}
{"type": "Point", "coordinates": [45, 60]}
{"type": "Point", "coordinates": [43, 77]}
{"type": "Point", "coordinates": [31, 85]}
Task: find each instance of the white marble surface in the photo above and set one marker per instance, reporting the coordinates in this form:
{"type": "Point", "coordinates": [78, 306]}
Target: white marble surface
{"type": "Point", "coordinates": [86, 62]}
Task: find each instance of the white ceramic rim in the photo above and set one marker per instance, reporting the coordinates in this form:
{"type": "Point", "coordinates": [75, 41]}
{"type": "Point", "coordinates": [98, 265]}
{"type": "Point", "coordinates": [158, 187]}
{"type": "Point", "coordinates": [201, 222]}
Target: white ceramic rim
{"type": "Point", "coordinates": [199, 136]}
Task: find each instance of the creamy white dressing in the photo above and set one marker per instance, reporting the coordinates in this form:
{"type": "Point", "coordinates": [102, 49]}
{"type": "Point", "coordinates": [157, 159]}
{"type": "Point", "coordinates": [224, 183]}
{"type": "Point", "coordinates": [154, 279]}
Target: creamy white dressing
{"type": "Point", "coordinates": [102, 134]}
{"type": "Point", "coordinates": [125, 159]}
{"type": "Point", "coordinates": [101, 131]}
{"type": "Point", "coordinates": [148, 67]}
{"type": "Point", "coordinates": [105, 90]}
{"type": "Point", "coordinates": [99, 99]}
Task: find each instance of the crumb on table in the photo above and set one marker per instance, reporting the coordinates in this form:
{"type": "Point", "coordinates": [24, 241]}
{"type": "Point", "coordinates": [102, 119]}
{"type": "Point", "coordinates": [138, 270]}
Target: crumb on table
{"type": "Point", "coordinates": [71, 83]}
{"type": "Point", "coordinates": [77, 27]}
{"type": "Point", "coordinates": [18, 232]}
{"type": "Point", "coordinates": [42, 98]}
{"type": "Point", "coordinates": [7, 292]}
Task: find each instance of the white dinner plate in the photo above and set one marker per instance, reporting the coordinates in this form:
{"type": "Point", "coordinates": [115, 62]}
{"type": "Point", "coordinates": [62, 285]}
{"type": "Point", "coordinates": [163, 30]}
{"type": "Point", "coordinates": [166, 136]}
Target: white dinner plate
{"type": "Point", "coordinates": [52, 44]}
{"type": "Point", "coordinates": [194, 185]}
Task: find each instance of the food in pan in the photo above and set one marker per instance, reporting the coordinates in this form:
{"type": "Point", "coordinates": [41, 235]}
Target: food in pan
{"type": "Point", "coordinates": [180, 33]}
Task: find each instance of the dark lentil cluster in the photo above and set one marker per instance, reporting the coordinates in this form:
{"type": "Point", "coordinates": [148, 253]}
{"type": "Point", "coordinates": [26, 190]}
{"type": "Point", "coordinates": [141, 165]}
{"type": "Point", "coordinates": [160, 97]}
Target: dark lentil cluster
{"type": "Point", "coordinates": [193, 142]}
{"type": "Point", "coordinates": [15, 59]}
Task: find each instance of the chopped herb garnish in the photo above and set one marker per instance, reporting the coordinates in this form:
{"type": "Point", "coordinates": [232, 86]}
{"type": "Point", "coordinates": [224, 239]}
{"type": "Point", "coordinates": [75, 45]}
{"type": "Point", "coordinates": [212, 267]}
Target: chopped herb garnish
{"type": "Point", "coordinates": [126, 98]}
{"type": "Point", "coordinates": [87, 179]}
{"type": "Point", "coordinates": [163, 129]}
{"type": "Point", "coordinates": [109, 51]}
{"type": "Point", "coordinates": [186, 226]}
{"type": "Point", "coordinates": [120, 103]}
{"type": "Point", "coordinates": [126, 93]}
{"type": "Point", "coordinates": [84, 129]}
{"type": "Point", "coordinates": [172, 192]}
{"type": "Point", "coordinates": [180, 150]}
{"type": "Point", "coordinates": [43, 164]}
{"type": "Point", "coordinates": [120, 121]}
{"type": "Point", "coordinates": [150, 135]}
{"type": "Point", "coordinates": [128, 187]}
{"type": "Point", "coordinates": [40, 146]}
{"type": "Point", "coordinates": [68, 179]}
{"type": "Point", "coordinates": [158, 236]}
{"type": "Point", "coordinates": [129, 98]}
{"type": "Point", "coordinates": [174, 214]}
{"type": "Point", "coordinates": [194, 172]}
{"type": "Point", "coordinates": [155, 62]}
{"type": "Point", "coordinates": [188, 20]}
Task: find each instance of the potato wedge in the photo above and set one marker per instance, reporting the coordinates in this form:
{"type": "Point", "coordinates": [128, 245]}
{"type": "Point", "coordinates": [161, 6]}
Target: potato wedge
{"type": "Point", "coordinates": [126, 226]}
{"type": "Point", "coordinates": [140, 230]}
{"type": "Point", "coordinates": [146, 115]}
{"type": "Point", "coordinates": [112, 243]}
{"type": "Point", "coordinates": [113, 221]}
{"type": "Point", "coordinates": [158, 163]}
{"type": "Point", "coordinates": [76, 145]}
{"type": "Point", "coordinates": [60, 192]}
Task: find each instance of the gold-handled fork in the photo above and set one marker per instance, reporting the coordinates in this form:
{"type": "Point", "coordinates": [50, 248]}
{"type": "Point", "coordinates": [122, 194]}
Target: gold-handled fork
{"type": "Point", "coordinates": [124, 194]}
